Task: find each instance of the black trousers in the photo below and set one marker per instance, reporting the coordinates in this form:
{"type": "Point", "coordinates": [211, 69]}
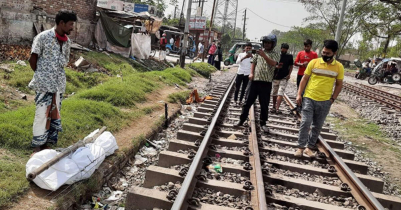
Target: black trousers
{"type": "Point", "coordinates": [241, 79]}
{"type": "Point", "coordinates": [299, 78]}
{"type": "Point", "coordinates": [261, 90]}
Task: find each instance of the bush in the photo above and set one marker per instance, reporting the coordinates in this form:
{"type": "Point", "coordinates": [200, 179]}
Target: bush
{"type": "Point", "coordinates": [203, 69]}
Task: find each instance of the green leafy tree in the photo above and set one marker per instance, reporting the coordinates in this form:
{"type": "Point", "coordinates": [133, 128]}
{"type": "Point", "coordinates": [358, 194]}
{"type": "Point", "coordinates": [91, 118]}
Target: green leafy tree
{"type": "Point", "coordinates": [381, 21]}
{"type": "Point", "coordinates": [327, 14]}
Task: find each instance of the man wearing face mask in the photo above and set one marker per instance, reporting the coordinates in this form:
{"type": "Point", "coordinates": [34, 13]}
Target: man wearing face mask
{"type": "Point", "coordinates": [319, 78]}
{"type": "Point", "coordinates": [261, 77]}
{"type": "Point", "coordinates": [49, 55]}
{"type": "Point", "coordinates": [281, 77]}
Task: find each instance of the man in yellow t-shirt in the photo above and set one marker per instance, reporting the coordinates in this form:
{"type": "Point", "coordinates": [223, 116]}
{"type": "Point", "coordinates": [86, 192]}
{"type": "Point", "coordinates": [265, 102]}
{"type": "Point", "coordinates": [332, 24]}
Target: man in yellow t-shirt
{"type": "Point", "coordinates": [319, 78]}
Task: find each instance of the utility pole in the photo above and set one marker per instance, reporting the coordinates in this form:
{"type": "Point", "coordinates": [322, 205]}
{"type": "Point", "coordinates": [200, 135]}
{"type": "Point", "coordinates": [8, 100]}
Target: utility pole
{"type": "Point", "coordinates": [243, 29]}
{"type": "Point", "coordinates": [203, 3]}
{"type": "Point", "coordinates": [175, 10]}
{"type": "Point", "coordinates": [210, 28]}
{"type": "Point", "coordinates": [340, 23]}
{"type": "Point", "coordinates": [186, 34]}
{"type": "Point", "coordinates": [182, 13]}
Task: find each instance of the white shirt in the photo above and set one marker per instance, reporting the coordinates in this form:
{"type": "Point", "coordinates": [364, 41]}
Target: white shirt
{"type": "Point", "coordinates": [172, 41]}
{"type": "Point", "coordinates": [50, 75]}
{"type": "Point", "coordinates": [200, 47]}
{"type": "Point", "coordinates": [245, 65]}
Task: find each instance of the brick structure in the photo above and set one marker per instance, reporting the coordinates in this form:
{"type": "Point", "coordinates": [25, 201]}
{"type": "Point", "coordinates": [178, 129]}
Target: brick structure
{"type": "Point", "coordinates": [85, 9]}
{"type": "Point", "coordinates": [17, 18]}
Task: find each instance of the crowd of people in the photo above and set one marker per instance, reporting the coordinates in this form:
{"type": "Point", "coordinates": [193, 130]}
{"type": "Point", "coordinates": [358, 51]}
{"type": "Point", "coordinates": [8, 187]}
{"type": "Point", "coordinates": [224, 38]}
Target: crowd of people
{"type": "Point", "coordinates": [268, 71]}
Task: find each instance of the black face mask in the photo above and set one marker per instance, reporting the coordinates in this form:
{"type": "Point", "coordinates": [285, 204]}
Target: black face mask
{"type": "Point", "coordinates": [283, 53]}
{"type": "Point", "coordinates": [327, 58]}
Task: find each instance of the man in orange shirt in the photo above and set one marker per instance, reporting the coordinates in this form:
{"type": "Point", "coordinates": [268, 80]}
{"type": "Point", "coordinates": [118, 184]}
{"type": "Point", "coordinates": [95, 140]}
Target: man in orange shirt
{"type": "Point", "coordinates": [303, 58]}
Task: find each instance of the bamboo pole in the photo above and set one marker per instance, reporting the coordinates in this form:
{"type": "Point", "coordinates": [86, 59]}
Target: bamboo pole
{"type": "Point", "coordinates": [48, 164]}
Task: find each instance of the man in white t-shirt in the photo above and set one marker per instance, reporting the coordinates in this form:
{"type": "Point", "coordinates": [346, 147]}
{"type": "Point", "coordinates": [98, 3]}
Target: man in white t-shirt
{"type": "Point", "coordinates": [244, 69]}
{"type": "Point", "coordinates": [201, 48]}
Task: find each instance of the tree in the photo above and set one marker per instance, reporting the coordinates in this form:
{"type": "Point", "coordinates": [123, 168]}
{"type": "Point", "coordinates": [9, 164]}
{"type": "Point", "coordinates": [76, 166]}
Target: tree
{"type": "Point", "coordinates": [381, 21]}
{"type": "Point", "coordinates": [296, 36]}
{"type": "Point", "coordinates": [171, 22]}
{"type": "Point", "coordinates": [327, 13]}
{"type": "Point", "coordinates": [396, 4]}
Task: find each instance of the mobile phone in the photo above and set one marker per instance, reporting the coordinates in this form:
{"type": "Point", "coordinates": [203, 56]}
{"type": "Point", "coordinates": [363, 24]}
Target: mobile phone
{"type": "Point", "coordinates": [253, 51]}
{"type": "Point", "coordinates": [249, 52]}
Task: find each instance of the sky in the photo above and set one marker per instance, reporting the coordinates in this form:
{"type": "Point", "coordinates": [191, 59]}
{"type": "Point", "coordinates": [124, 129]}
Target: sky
{"type": "Point", "coordinates": [286, 13]}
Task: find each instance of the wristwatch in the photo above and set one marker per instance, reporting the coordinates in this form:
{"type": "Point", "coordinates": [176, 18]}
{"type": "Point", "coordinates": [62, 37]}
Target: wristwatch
{"type": "Point", "coordinates": [332, 99]}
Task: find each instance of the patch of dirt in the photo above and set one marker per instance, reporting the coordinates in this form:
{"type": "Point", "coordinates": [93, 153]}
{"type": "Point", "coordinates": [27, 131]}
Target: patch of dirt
{"type": "Point", "coordinates": [339, 108]}
{"type": "Point", "coordinates": [142, 125]}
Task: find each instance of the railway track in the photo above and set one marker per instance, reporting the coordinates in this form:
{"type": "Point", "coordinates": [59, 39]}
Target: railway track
{"type": "Point", "coordinates": [387, 99]}
{"type": "Point", "coordinates": [213, 165]}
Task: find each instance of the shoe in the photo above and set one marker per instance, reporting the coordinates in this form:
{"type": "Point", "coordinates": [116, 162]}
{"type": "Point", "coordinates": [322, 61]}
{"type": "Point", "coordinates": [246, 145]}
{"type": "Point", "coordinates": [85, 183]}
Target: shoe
{"type": "Point", "coordinates": [299, 152]}
{"type": "Point", "coordinates": [309, 153]}
{"type": "Point", "coordinates": [265, 129]}
{"type": "Point", "coordinates": [273, 110]}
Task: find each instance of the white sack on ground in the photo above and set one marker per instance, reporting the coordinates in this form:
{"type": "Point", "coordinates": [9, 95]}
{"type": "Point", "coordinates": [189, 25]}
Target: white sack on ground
{"type": "Point", "coordinates": [140, 45]}
{"type": "Point", "coordinates": [75, 167]}
{"type": "Point", "coordinates": [56, 175]}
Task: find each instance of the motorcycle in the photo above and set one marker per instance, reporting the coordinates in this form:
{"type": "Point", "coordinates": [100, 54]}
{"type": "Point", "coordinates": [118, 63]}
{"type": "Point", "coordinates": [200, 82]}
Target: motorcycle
{"type": "Point", "coordinates": [379, 75]}
{"type": "Point", "coordinates": [362, 73]}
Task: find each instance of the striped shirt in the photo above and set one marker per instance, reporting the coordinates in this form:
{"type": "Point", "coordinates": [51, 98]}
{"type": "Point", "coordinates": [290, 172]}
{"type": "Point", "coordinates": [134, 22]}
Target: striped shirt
{"type": "Point", "coordinates": [264, 71]}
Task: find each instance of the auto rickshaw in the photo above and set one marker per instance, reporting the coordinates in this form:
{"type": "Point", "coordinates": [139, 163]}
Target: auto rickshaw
{"type": "Point", "coordinates": [238, 48]}
{"type": "Point", "coordinates": [179, 37]}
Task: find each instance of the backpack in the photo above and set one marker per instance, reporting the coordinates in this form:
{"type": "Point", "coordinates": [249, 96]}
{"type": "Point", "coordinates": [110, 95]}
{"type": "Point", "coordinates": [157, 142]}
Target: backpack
{"type": "Point", "coordinates": [163, 41]}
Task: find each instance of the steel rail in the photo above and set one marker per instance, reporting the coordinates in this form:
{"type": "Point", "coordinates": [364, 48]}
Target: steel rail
{"type": "Point", "coordinates": [391, 98]}
{"type": "Point", "coordinates": [189, 182]}
{"type": "Point", "coordinates": [388, 102]}
{"type": "Point", "coordinates": [372, 93]}
{"type": "Point", "coordinates": [361, 194]}
{"type": "Point", "coordinates": [382, 92]}
{"type": "Point", "coordinates": [255, 158]}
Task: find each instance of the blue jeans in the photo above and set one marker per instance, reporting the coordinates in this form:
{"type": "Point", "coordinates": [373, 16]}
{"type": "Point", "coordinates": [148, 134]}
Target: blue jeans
{"type": "Point", "coordinates": [313, 113]}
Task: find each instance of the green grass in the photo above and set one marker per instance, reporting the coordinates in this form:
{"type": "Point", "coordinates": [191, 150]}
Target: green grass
{"type": "Point", "coordinates": [133, 88]}
{"type": "Point", "coordinates": [79, 118]}
{"type": "Point", "coordinates": [78, 80]}
{"type": "Point", "coordinates": [203, 69]}
{"type": "Point", "coordinates": [115, 64]}
{"type": "Point", "coordinates": [20, 77]}
{"type": "Point", "coordinates": [12, 178]}
{"type": "Point", "coordinates": [179, 97]}
{"type": "Point", "coordinates": [98, 101]}
{"type": "Point", "coordinates": [354, 128]}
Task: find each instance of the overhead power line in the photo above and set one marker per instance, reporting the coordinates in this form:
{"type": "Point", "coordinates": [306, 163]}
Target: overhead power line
{"type": "Point", "coordinates": [268, 20]}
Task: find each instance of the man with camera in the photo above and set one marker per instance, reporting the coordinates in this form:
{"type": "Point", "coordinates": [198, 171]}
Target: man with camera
{"type": "Point", "coordinates": [244, 69]}
{"type": "Point", "coordinates": [261, 77]}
